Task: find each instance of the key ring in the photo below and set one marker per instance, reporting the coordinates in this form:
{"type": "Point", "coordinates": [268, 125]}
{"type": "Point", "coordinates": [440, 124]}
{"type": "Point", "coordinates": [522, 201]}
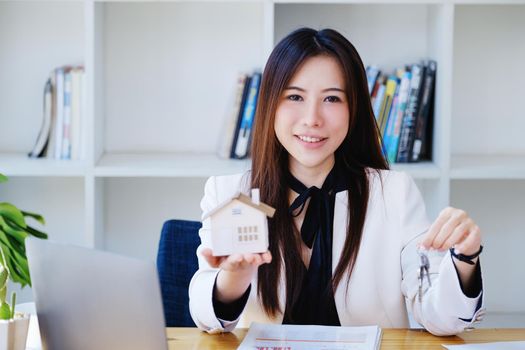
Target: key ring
{"type": "Point", "coordinates": [424, 267]}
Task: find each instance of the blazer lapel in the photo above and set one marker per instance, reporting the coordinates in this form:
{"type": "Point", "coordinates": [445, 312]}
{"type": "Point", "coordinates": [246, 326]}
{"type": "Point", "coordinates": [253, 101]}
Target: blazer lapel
{"type": "Point", "coordinates": [339, 228]}
{"type": "Point", "coordinates": [338, 242]}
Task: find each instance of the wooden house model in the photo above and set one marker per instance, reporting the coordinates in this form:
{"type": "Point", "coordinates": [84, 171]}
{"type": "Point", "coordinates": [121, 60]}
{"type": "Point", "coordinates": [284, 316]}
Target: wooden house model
{"type": "Point", "coordinates": [240, 225]}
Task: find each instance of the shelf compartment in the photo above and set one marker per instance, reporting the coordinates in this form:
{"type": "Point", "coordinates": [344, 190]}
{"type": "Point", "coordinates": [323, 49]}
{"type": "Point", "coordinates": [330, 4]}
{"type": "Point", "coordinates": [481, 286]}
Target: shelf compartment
{"type": "Point", "coordinates": [58, 200]}
{"type": "Point", "coordinates": [135, 209]}
{"type": "Point", "coordinates": [35, 38]}
{"type": "Point", "coordinates": [170, 71]}
{"type": "Point", "coordinates": [497, 208]}
{"type": "Point", "coordinates": [487, 108]}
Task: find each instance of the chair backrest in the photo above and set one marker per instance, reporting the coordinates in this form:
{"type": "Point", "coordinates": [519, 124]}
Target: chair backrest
{"type": "Point", "coordinates": [176, 264]}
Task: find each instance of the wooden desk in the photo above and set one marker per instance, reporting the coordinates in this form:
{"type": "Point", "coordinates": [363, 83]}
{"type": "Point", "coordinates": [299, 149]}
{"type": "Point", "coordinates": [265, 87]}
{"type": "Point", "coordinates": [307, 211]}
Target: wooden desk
{"type": "Point", "coordinates": [393, 339]}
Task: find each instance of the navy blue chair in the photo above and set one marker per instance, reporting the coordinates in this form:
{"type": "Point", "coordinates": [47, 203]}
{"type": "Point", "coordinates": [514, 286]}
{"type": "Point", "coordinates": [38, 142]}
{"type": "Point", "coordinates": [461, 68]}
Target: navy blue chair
{"type": "Point", "coordinates": [176, 264]}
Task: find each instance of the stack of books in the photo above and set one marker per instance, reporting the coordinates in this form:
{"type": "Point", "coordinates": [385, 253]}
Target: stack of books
{"type": "Point", "coordinates": [403, 105]}
{"type": "Point", "coordinates": [238, 130]}
{"type": "Point", "coordinates": [60, 135]}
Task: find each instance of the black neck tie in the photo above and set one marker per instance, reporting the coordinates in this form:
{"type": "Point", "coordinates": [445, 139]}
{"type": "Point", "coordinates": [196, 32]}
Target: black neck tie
{"type": "Point", "coordinates": [317, 217]}
{"type": "Point", "coordinates": [315, 304]}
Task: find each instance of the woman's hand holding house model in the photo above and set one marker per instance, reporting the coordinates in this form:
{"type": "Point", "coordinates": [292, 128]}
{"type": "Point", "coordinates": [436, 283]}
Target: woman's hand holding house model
{"type": "Point", "coordinates": [240, 243]}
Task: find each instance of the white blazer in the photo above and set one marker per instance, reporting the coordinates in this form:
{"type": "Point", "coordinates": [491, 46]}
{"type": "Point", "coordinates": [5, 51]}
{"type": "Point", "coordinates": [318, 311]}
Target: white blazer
{"type": "Point", "coordinates": [384, 281]}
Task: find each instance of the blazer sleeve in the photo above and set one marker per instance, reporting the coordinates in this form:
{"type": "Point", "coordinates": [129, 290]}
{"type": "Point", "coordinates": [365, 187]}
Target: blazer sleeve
{"type": "Point", "coordinates": [444, 308]}
{"type": "Point", "coordinates": [201, 285]}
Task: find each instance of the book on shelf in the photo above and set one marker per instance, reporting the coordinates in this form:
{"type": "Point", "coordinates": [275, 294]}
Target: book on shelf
{"type": "Point", "coordinates": [244, 133]}
{"type": "Point", "coordinates": [60, 135]}
{"type": "Point", "coordinates": [393, 137]}
{"type": "Point", "coordinates": [236, 134]}
{"type": "Point", "coordinates": [408, 126]}
{"type": "Point", "coordinates": [386, 103]}
{"type": "Point", "coordinates": [233, 117]}
{"type": "Point", "coordinates": [425, 112]}
{"type": "Point", "coordinates": [65, 153]}
{"type": "Point", "coordinates": [378, 95]}
{"type": "Point", "coordinates": [77, 79]}
{"type": "Point", "coordinates": [403, 107]}
{"type": "Point", "coordinates": [372, 72]}
{"type": "Point", "coordinates": [43, 135]}
{"type": "Point", "coordinates": [389, 127]}
{"type": "Point", "coordinates": [242, 104]}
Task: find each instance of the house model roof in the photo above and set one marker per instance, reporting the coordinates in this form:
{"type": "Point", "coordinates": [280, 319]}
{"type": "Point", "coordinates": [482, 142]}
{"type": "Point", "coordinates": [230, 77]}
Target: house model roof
{"type": "Point", "coordinates": [266, 209]}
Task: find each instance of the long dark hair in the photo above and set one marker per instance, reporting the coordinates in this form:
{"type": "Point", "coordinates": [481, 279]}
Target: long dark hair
{"type": "Point", "coordinates": [361, 149]}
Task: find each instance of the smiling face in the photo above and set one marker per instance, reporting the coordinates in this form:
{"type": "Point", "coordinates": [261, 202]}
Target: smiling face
{"type": "Point", "coordinates": [312, 116]}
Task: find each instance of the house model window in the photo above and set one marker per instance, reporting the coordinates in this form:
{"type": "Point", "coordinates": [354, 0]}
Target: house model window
{"type": "Point", "coordinates": [240, 225]}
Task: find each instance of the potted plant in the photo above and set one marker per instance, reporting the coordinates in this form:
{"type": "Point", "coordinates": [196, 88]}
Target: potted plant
{"type": "Point", "coordinates": [14, 266]}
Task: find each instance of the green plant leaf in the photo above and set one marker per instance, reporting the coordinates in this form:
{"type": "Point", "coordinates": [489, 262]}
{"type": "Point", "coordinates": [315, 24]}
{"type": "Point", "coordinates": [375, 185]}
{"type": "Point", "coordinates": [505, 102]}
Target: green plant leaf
{"type": "Point", "coordinates": [14, 272]}
{"type": "Point", "coordinates": [20, 261]}
{"type": "Point", "coordinates": [12, 213]}
{"type": "Point", "coordinates": [36, 233]}
{"type": "Point", "coordinates": [3, 293]}
{"type": "Point", "coordinates": [19, 270]}
{"type": "Point", "coordinates": [5, 311]}
{"type": "Point", "coordinates": [11, 243]}
{"type": "Point", "coordinates": [13, 304]}
{"type": "Point", "coordinates": [3, 178]}
{"type": "Point", "coordinates": [37, 217]}
{"type": "Point", "coordinates": [4, 274]}
{"type": "Point", "coordinates": [19, 234]}
{"type": "Point", "coordinates": [31, 230]}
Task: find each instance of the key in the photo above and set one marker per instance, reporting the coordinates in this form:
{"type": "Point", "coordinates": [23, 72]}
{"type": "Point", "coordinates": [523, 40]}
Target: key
{"type": "Point", "coordinates": [424, 266]}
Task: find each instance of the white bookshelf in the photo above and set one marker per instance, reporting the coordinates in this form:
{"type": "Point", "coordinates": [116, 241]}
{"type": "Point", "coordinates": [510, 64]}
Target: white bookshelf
{"type": "Point", "coordinates": [160, 76]}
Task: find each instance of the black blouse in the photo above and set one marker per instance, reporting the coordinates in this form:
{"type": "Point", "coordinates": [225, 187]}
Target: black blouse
{"type": "Point", "coordinates": [315, 304]}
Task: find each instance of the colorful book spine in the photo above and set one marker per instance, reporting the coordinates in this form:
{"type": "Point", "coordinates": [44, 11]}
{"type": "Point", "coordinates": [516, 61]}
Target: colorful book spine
{"type": "Point", "coordinates": [43, 136]}
{"type": "Point", "coordinates": [59, 121]}
{"type": "Point", "coordinates": [66, 131]}
{"type": "Point", "coordinates": [244, 135]}
{"type": "Point", "coordinates": [424, 115]}
{"type": "Point", "coordinates": [76, 112]}
{"type": "Point", "coordinates": [226, 141]}
{"type": "Point", "coordinates": [409, 119]}
{"type": "Point", "coordinates": [390, 90]}
{"type": "Point", "coordinates": [245, 93]}
{"type": "Point", "coordinates": [390, 123]}
{"type": "Point", "coordinates": [372, 72]}
{"type": "Point", "coordinates": [393, 143]}
{"type": "Point", "coordinates": [378, 101]}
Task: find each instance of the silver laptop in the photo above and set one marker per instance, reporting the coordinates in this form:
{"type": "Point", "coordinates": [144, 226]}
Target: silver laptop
{"type": "Point", "coordinates": [88, 299]}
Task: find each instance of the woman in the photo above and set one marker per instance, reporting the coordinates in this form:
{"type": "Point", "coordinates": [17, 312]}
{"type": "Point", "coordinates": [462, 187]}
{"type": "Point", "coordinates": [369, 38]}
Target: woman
{"type": "Point", "coordinates": [345, 236]}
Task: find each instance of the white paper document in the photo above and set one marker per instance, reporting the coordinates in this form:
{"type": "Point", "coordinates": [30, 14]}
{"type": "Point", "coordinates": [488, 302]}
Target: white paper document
{"type": "Point", "coordinates": [504, 345]}
{"type": "Point", "coordinates": [296, 337]}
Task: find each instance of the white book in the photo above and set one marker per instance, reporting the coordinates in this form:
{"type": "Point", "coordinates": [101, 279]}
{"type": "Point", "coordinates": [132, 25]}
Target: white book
{"type": "Point", "coordinates": [49, 152]}
{"type": "Point", "coordinates": [59, 103]}
{"type": "Point", "coordinates": [300, 337]}
{"type": "Point", "coordinates": [83, 126]}
{"type": "Point", "coordinates": [44, 134]}
{"type": "Point", "coordinates": [66, 132]}
{"type": "Point", "coordinates": [76, 112]}
{"type": "Point", "coordinates": [228, 134]}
